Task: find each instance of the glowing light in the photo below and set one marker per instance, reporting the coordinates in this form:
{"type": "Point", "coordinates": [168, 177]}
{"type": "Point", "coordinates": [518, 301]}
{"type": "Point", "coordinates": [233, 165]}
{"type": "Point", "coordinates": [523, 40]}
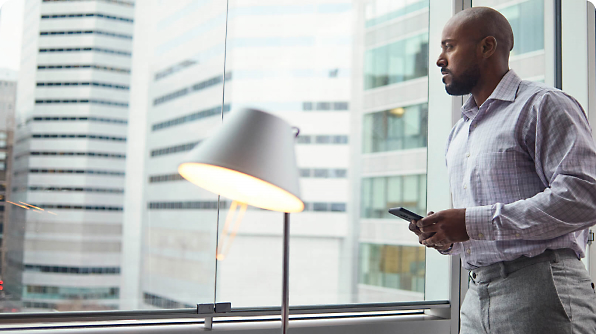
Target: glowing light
{"type": "Point", "coordinates": [399, 112]}
{"type": "Point", "coordinates": [13, 203]}
{"type": "Point", "coordinates": [33, 206]}
{"type": "Point", "coordinates": [52, 213]}
{"type": "Point", "coordinates": [241, 187]}
{"type": "Point", "coordinates": [231, 212]}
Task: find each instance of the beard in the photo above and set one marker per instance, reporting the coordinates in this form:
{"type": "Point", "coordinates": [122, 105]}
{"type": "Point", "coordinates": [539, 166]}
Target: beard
{"type": "Point", "coordinates": [464, 83]}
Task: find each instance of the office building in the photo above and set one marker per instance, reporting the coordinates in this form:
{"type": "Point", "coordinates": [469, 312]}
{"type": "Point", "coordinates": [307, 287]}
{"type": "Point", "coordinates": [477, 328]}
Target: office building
{"type": "Point", "coordinates": [69, 154]}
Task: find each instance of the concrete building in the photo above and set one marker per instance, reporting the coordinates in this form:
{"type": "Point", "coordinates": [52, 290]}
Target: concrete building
{"type": "Point", "coordinates": [69, 154]}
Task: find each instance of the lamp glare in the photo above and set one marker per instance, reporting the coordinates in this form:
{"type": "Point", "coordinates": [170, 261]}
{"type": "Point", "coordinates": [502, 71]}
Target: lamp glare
{"type": "Point", "coordinates": [240, 187]}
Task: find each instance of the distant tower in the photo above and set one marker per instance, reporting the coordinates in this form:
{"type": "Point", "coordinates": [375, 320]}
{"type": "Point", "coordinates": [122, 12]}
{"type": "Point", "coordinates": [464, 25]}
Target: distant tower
{"type": "Point", "coordinates": [69, 157]}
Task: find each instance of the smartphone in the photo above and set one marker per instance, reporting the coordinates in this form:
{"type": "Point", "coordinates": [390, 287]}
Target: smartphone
{"type": "Point", "coordinates": [405, 214]}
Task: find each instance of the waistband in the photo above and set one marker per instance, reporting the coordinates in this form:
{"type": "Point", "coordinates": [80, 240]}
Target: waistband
{"type": "Point", "coordinates": [503, 269]}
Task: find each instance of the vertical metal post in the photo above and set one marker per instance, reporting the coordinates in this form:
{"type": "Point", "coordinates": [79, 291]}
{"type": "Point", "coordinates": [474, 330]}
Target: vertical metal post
{"type": "Point", "coordinates": [208, 323]}
{"type": "Point", "coordinates": [285, 306]}
{"type": "Point", "coordinates": [558, 45]}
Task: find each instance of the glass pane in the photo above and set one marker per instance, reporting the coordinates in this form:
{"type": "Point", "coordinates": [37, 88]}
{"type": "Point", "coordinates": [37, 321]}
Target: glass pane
{"type": "Point", "coordinates": [532, 31]}
{"type": "Point", "coordinates": [97, 132]}
{"type": "Point", "coordinates": [295, 60]}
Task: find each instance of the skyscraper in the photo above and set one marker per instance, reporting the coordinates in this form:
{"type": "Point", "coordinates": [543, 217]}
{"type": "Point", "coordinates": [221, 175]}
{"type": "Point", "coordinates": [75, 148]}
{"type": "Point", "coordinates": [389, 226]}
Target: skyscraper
{"type": "Point", "coordinates": [69, 156]}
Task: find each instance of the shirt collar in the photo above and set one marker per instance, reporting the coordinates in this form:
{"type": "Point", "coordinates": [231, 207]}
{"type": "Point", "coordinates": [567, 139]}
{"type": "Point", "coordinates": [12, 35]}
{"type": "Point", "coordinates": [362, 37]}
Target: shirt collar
{"type": "Point", "coordinates": [506, 90]}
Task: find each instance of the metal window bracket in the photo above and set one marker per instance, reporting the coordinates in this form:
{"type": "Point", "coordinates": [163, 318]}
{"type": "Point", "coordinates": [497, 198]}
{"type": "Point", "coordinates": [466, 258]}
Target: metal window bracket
{"type": "Point", "coordinates": [590, 237]}
{"type": "Point", "coordinates": [213, 309]}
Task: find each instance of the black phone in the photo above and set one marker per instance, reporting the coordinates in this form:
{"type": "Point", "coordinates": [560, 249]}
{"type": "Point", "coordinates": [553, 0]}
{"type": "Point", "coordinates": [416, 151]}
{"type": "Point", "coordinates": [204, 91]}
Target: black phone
{"type": "Point", "coordinates": [405, 214]}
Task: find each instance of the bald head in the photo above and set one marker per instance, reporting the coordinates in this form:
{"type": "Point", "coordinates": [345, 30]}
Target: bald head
{"type": "Point", "coordinates": [475, 46]}
{"type": "Point", "coordinates": [481, 22]}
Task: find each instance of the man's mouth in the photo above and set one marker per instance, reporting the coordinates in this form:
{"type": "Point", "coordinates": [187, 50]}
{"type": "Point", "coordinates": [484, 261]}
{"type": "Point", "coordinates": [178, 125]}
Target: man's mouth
{"type": "Point", "coordinates": [444, 73]}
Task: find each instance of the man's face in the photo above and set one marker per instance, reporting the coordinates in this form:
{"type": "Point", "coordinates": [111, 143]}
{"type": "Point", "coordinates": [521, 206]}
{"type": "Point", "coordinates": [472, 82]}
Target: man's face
{"type": "Point", "coordinates": [458, 61]}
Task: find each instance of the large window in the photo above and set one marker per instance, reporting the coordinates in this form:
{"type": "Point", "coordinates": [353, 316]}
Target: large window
{"type": "Point", "coordinates": [95, 215]}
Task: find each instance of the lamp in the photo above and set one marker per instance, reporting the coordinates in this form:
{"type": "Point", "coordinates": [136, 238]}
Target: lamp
{"type": "Point", "coordinates": [251, 159]}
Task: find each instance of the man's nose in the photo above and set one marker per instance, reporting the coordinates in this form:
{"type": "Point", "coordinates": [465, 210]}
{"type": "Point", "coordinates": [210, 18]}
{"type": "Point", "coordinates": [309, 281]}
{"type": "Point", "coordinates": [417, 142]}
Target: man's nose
{"type": "Point", "coordinates": [441, 62]}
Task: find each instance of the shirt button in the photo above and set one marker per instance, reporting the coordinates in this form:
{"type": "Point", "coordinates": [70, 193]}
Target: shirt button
{"type": "Point", "coordinates": [468, 251]}
{"type": "Point", "coordinates": [465, 186]}
{"type": "Point", "coordinates": [517, 235]}
{"type": "Point", "coordinates": [480, 235]}
{"type": "Point", "coordinates": [468, 155]}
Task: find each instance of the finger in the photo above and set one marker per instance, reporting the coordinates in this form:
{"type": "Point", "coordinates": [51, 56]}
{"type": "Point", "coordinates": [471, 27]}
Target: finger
{"type": "Point", "coordinates": [414, 228]}
{"type": "Point", "coordinates": [427, 221]}
{"type": "Point", "coordinates": [443, 247]}
{"type": "Point", "coordinates": [430, 213]}
{"type": "Point", "coordinates": [436, 239]}
{"type": "Point", "coordinates": [424, 236]}
{"type": "Point", "coordinates": [430, 229]}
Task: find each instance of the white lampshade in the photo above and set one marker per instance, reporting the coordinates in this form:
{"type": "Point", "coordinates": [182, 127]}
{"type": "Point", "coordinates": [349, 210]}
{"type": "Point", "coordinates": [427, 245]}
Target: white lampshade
{"type": "Point", "coordinates": [251, 159]}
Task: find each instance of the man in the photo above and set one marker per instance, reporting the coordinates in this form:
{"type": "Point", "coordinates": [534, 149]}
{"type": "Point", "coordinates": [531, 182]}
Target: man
{"type": "Point", "coordinates": [522, 170]}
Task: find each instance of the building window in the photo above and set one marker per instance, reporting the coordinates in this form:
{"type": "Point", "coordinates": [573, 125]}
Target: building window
{"type": "Point", "coordinates": [527, 21]}
{"type": "Point", "coordinates": [397, 62]}
{"type": "Point", "coordinates": [396, 129]}
{"type": "Point", "coordinates": [379, 194]}
{"type": "Point", "coordinates": [392, 266]}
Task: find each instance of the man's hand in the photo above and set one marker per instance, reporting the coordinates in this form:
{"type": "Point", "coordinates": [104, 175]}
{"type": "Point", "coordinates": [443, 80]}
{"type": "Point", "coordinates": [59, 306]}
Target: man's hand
{"type": "Point", "coordinates": [423, 236]}
{"type": "Point", "coordinates": [447, 227]}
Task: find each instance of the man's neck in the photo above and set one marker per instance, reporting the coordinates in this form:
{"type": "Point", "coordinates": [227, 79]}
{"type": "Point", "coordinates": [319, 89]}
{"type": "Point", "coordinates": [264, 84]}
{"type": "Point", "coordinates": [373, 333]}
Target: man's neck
{"type": "Point", "coordinates": [486, 87]}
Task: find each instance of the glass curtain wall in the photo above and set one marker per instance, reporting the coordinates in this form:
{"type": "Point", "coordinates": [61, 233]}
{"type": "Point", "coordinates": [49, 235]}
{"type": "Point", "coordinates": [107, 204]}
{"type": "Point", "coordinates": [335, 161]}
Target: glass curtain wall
{"type": "Point", "coordinates": [351, 74]}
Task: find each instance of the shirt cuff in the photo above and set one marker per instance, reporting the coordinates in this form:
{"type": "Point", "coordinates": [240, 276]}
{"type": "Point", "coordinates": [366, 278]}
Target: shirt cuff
{"type": "Point", "coordinates": [479, 222]}
{"type": "Point", "coordinates": [453, 250]}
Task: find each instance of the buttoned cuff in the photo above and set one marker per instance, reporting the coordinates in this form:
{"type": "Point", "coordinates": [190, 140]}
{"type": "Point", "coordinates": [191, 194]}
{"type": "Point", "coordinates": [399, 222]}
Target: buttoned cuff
{"type": "Point", "coordinates": [479, 222]}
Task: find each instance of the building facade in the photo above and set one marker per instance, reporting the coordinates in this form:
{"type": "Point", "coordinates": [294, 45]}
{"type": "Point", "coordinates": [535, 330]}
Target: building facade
{"type": "Point", "coordinates": [69, 154]}
{"type": "Point", "coordinates": [8, 90]}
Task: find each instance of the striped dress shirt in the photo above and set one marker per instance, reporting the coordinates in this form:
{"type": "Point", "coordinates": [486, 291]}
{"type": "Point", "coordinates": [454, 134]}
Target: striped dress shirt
{"type": "Point", "coordinates": [524, 167]}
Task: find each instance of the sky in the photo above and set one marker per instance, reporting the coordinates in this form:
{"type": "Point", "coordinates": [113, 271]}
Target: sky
{"type": "Point", "coordinates": [11, 31]}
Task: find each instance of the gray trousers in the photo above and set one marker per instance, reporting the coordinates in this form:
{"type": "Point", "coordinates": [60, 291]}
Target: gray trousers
{"type": "Point", "coordinates": [551, 293]}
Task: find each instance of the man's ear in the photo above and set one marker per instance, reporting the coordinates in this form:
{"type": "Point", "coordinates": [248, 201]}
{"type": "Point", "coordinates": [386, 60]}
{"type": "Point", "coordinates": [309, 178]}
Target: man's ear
{"type": "Point", "coordinates": [489, 46]}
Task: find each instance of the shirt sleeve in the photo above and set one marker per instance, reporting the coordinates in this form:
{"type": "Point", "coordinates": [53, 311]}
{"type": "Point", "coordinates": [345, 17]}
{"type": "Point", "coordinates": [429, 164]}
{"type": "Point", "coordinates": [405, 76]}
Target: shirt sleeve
{"type": "Point", "coordinates": [559, 139]}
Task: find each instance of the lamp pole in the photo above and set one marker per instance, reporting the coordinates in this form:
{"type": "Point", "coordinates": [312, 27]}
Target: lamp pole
{"type": "Point", "coordinates": [285, 306]}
